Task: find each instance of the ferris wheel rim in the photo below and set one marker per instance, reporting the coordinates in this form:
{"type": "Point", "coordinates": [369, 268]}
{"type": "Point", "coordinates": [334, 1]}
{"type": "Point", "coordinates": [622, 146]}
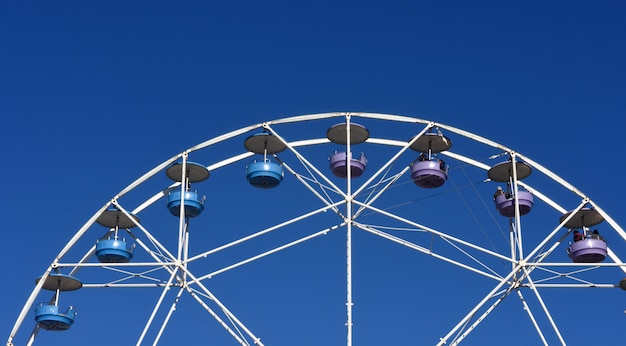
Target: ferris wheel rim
{"type": "Point", "coordinates": [311, 117]}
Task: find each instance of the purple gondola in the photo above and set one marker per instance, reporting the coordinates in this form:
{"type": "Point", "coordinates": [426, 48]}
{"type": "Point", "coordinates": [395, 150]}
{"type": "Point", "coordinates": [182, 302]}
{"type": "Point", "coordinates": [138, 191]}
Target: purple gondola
{"type": "Point", "coordinates": [429, 173]}
{"type": "Point", "coordinates": [339, 163]}
{"type": "Point", "coordinates": [588, 250]}
{"type": "Point", "coordinates": [505, 205]}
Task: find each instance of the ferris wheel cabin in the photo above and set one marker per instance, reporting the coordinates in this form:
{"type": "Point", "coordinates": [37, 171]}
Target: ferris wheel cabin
{"type": "Point", "coordinates": [192, 202]}
{"type": "Point", "coordinates": [47, 315]}
{"type": "Point", "coordinates": [589, 247]}
{"type": "Point", "coordinates": [114, 249]}
{"type": "Point", "coordinates": [341, 161]}
{"type": "Point", "coordinates": [264, 173]}
{"type": "Point", "coordinates": [588, 251]}
{"type": "Point", "coordinates": [429, 171]}
{"type": "Point", "coordinates": [505, 201]}
{"type": "Point", "coordinates": [505, 205]}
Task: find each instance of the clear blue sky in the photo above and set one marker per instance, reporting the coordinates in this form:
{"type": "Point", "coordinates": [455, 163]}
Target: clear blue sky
{"type": "Point", "coordinates": [93, 94]}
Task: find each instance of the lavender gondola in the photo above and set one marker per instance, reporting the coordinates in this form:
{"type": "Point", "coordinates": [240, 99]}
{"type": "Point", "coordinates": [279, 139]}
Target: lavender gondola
{"type": "Point", "coordinates": [588, 251]}
{"type": "Point", "coordinates": [339, 164]}
{"type": "Point", "coordinates": [429, 173]}
{"type": "Point", "coordinates": [593, 248]}
{"type": "Point", "coordinates": [505, 205]}
{"type": "Point", "coordinates": [505, 202]}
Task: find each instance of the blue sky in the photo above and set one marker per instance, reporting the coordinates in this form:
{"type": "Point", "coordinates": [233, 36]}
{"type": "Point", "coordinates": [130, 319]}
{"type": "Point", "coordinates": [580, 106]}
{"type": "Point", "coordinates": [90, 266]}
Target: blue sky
{"type": "Point", "coordinates": [94, 94]}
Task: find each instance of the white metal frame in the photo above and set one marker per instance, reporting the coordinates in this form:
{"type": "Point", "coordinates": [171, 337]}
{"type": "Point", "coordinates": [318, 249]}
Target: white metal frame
{"type": "Point", "coordinates": [523, 261]}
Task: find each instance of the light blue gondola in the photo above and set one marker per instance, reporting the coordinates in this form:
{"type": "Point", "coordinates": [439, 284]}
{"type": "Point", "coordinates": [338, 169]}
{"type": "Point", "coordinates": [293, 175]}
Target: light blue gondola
{"type": "Point", "coordinates": [113, 251]}
{"type": "Point", "coordinates": [48, 317]}
{"type": "Point", "coordinates": [194, 205]}
{"type": "Point", "coordinates": [264, 174]}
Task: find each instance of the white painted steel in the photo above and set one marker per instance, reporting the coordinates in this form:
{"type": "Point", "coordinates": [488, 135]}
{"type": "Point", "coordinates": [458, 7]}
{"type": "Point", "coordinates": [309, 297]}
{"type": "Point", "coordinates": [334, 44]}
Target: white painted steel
{"type": "Point", "coordinates": [166, 266]}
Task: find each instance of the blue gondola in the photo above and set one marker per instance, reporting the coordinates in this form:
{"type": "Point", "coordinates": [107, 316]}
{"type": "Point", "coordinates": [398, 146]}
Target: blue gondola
{"type": "Point", "coordinates": [113, 251]}
{"type": "Point", "coordinates": [194, 204]}
{"type": "Point", "coordinates": [264, 174]}
{"type": "Point", "coordinates": [48, 317]}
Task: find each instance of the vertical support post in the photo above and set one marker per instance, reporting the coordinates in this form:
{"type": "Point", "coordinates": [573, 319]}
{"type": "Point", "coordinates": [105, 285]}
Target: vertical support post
{"type": "Point", "coordinates": [184, 181]}
{"type": "Point", "coordinates": [512, 244]}
{"type": "Point", "coordinates": [56, 296]}
{"type": "Point", "coordinates": [348, 234]}
{"type": "Point", "coordinates": [185, 249]}
{"type": "Point", "coordinates": [518, 225]}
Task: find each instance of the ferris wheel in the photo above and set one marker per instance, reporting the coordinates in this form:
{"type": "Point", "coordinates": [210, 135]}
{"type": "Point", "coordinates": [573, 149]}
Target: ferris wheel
{"type": "Point", "coordinates": [330, 226]}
